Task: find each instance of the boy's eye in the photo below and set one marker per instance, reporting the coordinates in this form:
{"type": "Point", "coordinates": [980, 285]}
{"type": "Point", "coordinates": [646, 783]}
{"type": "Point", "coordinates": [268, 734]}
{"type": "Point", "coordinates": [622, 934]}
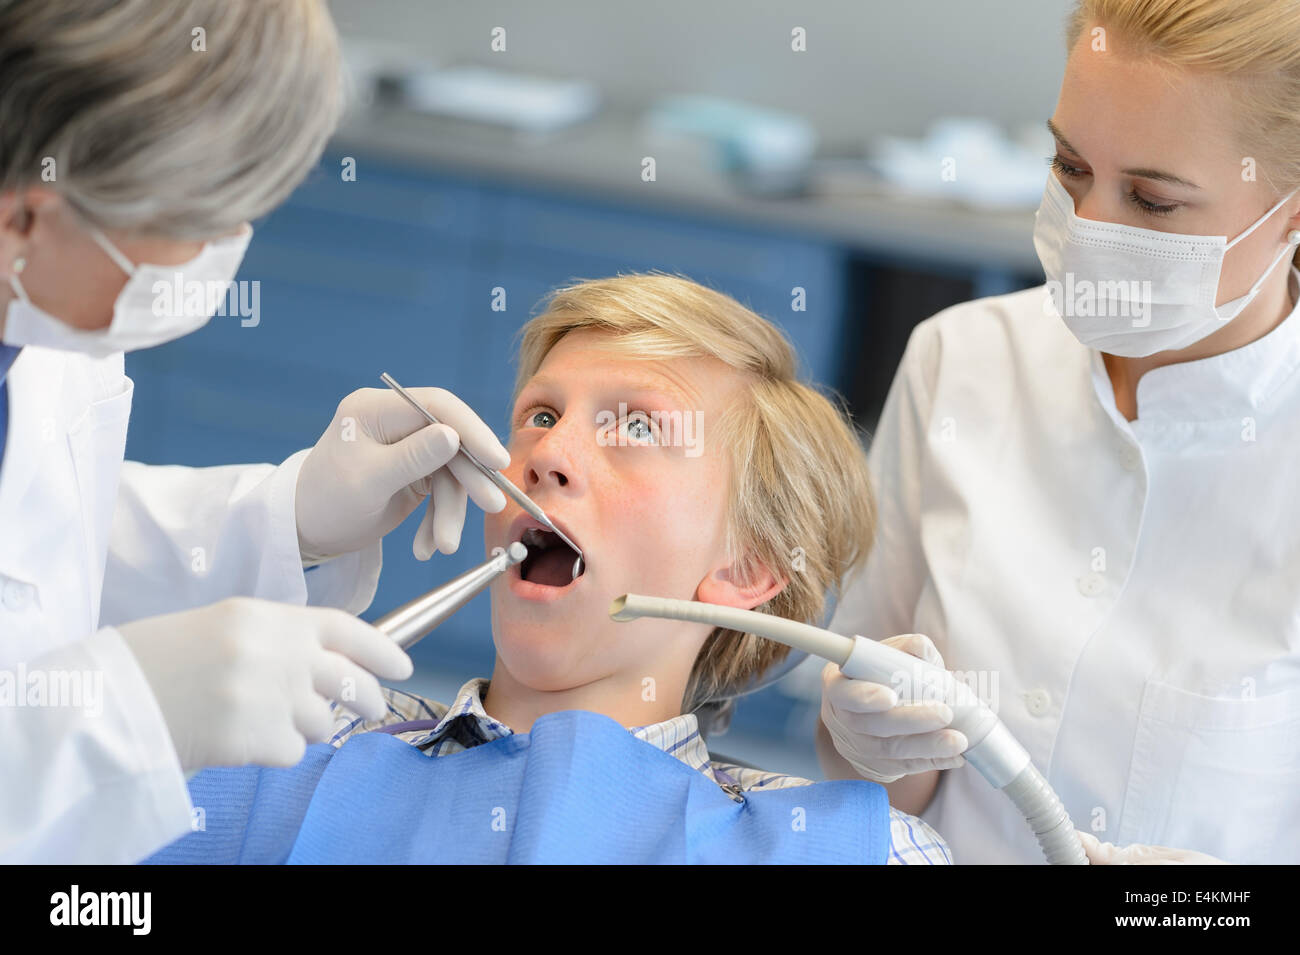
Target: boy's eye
{"type": "Point", "coordinates": [539, 419]}
{"type": "Point", "coordinates": [639, 428]}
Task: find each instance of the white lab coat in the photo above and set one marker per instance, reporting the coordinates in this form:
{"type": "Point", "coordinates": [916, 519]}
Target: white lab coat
{"type": "Point", "coordinates": [1128, 592]}
{"type": "Point", "coordinates": [88, 541]}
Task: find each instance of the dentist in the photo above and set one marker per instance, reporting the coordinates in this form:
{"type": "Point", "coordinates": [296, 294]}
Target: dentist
{"type": "Point", "coordinates": [1087, 490]}
{"type": "Point", "coordinates": [152, 619]}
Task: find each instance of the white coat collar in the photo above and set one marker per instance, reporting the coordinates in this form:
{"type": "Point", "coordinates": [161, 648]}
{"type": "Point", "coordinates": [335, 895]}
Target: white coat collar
{"type": "Point", "coordinates": [1246, 381]}
{"type": "Point", "coordinates": [36, 402]}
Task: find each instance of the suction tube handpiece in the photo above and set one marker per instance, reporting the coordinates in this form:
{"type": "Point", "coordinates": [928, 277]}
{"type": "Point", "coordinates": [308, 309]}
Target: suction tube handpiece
{"type": "Point", "coordinates": [993, 751]}
{"type": "Point", "coordinates": [412, 622]}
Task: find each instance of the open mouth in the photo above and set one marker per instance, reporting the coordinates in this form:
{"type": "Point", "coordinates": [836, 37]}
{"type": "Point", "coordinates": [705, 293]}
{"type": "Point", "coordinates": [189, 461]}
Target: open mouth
{"type": "Point", "coordinates": [550, 561]}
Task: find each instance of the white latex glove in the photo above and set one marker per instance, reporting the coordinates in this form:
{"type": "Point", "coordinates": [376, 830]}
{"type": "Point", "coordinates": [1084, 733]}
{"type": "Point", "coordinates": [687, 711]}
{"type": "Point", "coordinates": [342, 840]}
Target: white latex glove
{"type": "Point", "coordinates": [379, 459]}
{"type": "Point", "coordinates": [881, 738]}
{"type": "Point", "coordinates": [248, 681]}
{"type": "Point", "coordinates": [1103, 853]}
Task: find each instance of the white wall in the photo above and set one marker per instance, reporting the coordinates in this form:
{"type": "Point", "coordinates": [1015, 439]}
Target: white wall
{"type": "Point", "coordinates": [872, 66]}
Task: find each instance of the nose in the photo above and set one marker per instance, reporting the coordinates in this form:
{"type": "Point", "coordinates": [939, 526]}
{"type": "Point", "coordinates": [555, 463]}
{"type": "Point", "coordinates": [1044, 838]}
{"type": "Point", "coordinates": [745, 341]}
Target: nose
{"type": "Point", "coordinates": [552, 463]}
{"type": "Point", "coordinates": [1084, 207]}
{"type": "Point", "coordinates": [1094, 204]}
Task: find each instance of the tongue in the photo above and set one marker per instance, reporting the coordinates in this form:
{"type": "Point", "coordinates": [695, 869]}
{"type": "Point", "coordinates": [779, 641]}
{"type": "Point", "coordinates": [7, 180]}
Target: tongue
{"type": "Point", "coordinates": [552, 568]}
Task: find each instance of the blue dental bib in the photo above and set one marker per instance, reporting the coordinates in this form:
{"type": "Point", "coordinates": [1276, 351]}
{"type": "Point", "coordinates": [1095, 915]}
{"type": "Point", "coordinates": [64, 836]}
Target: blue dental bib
{"type": "Point", "coordinates": [578, 788]}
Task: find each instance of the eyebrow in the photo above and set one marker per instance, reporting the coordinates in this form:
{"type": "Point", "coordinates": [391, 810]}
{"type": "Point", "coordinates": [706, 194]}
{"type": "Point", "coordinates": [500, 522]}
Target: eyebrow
{"type": "Point", "coordinates": [1155, 175]}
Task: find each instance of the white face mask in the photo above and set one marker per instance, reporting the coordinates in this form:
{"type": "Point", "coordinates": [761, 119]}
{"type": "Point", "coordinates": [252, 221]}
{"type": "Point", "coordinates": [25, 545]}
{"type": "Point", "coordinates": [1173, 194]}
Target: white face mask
{"type": "Point", "coordinates": [157, 304]}
{"type": "Point", "coordinates": [1134, 292]}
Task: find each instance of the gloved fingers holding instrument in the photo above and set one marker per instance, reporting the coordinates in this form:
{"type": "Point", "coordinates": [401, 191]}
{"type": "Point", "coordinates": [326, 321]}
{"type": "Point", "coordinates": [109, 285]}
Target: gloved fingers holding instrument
{"type": "Point", "coordinates": [249, 681]}
{"type": "Point", "coordinates": [882, 738]}
{"type": "Point", "coordinates": [379, 459]}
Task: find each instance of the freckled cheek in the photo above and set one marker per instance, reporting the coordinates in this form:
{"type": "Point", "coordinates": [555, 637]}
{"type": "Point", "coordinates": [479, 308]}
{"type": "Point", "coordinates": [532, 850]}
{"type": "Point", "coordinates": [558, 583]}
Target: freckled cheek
{"type": "Point", "coordinates": [495, 525]}
{"type": "Point", "coordinates": [672, 511]}
{"type": "Point", "coordinates": [628, 511]}
{"type": "Point", "coordinates": [518, 454]}
{"type": "Point", "coordinates": [701, 508]}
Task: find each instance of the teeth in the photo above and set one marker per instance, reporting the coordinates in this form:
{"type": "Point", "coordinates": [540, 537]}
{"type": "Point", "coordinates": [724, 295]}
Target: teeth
{"type": "Point", "coordinates": [541, 539]}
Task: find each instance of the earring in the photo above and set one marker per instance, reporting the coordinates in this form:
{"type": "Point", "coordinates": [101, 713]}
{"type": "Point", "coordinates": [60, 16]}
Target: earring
{"type": "Point", "coordinates": [20, 263]}
{"type": "Point", "coordinates": [1293, 237]}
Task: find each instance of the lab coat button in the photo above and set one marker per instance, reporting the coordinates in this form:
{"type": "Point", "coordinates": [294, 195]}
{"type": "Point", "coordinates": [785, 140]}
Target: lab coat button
{"type": "Point", "coordinates": [17, 595]}
{"type": "Point", "coordinates": [1090, 585]}
{"type": "Point", "coordinates": [1037, 701]}
{"type": "Point", "coordinates": [1130, 457]}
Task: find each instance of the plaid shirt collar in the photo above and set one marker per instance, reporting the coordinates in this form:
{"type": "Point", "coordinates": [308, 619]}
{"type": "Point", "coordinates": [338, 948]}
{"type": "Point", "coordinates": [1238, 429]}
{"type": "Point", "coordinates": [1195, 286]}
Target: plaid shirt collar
{"type": "Point", "coordinates": [469, 724]}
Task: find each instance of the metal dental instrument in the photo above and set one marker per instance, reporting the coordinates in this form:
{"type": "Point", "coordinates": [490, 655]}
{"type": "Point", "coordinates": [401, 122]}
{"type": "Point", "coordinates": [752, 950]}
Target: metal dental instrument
{"type": "Point", "coordinates": [993, 751]}
{"type": "Point", "coordinates": [496, 477]}
{"type": "Point", "coordinates": [412, 622]}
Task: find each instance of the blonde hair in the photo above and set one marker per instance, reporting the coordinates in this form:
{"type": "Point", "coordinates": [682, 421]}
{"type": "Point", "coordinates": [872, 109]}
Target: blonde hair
{"type": "Point", "coordinates": [799, 495]}
{"type": "Point", "coordinates": [1254, 45]}
{"type": "Point", "coordinates": [149, 133]}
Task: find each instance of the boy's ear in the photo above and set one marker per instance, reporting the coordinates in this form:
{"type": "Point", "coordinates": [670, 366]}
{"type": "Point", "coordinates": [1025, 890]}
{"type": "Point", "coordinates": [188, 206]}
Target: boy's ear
{"type": "Point", "coordinates": [723, 586]}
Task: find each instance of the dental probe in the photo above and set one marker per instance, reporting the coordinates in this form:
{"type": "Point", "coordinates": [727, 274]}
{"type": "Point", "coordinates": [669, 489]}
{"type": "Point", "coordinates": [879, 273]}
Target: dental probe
{"type": "Point", "coordinates": [993, 751]}
{"type": "Point", "coordinates": [411, 622]}
{"type": "Point", "coordinates": [496, 477]}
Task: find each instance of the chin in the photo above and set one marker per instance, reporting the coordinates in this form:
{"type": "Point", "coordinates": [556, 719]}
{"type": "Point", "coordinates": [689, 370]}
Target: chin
{"type": "Point", "coordinates": [549, 649]}
{"type": "Point", "coordinates": [540, 668]}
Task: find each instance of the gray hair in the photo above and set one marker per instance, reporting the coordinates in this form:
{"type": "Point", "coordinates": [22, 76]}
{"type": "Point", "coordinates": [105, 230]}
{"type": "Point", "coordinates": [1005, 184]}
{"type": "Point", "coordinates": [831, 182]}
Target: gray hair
{"type": "Point", "coordinates": [176, 118]}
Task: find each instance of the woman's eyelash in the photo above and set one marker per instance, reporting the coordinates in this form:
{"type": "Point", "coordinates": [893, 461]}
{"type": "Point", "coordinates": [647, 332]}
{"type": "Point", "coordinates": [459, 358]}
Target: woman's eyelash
{"type": "Point", "coordinates": [1148, 206]}
{"type": "Point", "coordinates": [1145, 205]}
{"type": "Point", "coordinates": [1061, 166]}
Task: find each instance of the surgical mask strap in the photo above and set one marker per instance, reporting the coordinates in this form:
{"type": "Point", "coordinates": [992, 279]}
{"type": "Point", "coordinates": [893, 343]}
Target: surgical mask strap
{"type": "Point", "coordinates": [1292, 239]}
{"type": "Point", "coordinates": [1261, 220]}
{"type": "Point", "coordinates": [112, 251]}
{"type": "Point", "coordinates": [120, 260]}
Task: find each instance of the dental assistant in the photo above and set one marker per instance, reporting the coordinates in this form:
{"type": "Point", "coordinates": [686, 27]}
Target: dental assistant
{"type": "Point", "coordinates": [153, 619]}
{"type": "Point", "coordinates": [1087, 490]}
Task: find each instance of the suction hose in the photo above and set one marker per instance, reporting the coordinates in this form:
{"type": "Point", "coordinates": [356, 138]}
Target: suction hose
{"type": "Point", "coordinates": [993, 751]}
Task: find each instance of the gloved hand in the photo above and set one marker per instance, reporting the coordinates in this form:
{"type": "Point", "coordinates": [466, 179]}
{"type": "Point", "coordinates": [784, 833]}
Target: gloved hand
{"type": "Point", "coordinates": [881, 738]}
{"type": "Point", "coordinates": [379, 459]}
{"type": "Point", "coordinates": [247, 681]}
{"type": "Point", "coordinates": [1103, 853]}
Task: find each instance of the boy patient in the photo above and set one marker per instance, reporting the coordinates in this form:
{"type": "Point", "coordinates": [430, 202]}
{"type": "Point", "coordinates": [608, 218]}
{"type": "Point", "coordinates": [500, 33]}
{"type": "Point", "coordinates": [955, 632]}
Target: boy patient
{"type": "Point", "coordinates": [661, 426]}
